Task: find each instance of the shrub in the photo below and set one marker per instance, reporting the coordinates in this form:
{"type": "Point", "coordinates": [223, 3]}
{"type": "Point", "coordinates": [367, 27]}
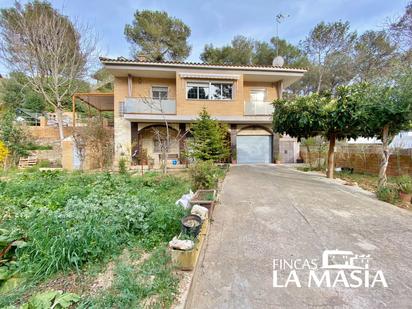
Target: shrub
{"type": "Point", "coordinates": [4, 152]}
{"type": "Point", "coordinates": [404, 184]}
{"type": "Point", "coordinates": [387, 194]}
{"type": "Point", "coordinates": [205, 175]}
{"type": "Point", "coordinates": [123, 166]}
{"type": "Point", "coordinates": [209, 139]}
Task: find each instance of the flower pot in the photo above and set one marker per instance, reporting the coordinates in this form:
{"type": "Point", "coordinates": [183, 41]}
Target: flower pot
{"type": "Point", "coordinates": [186, 260]}
{"type": "Point", "coordinates": [406, 197]}
{"type": "Point", "coordinates": [191, 225]}
{"type": "Point", "coordinates": [205, 198]}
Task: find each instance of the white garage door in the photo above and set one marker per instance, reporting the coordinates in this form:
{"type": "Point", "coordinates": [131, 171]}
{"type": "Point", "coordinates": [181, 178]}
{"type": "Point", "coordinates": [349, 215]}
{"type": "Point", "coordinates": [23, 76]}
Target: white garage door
{"type": "Point", "coordinates": [254, 149]}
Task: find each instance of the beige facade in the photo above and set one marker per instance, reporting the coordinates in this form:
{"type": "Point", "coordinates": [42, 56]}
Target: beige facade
{"type": "Point", "coordinates": [246, 106]}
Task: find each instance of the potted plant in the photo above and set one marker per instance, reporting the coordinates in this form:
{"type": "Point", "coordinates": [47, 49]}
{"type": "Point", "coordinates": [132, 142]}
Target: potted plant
{"type": "Point", "coordinates": [278, 159]}
{"type": "Point", "coordinates": [204, 198]}
{"type": "Point", "coordinates": [405, 188]}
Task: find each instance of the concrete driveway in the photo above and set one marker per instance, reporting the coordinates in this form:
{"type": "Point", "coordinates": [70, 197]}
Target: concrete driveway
{"type": "Point", "coordinates": [272, 212]}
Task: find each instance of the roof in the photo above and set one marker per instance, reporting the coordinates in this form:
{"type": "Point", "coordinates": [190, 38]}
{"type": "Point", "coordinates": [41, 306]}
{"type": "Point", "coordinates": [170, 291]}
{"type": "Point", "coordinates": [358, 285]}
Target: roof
{"type": "Point", "coordinates": [122, 60]}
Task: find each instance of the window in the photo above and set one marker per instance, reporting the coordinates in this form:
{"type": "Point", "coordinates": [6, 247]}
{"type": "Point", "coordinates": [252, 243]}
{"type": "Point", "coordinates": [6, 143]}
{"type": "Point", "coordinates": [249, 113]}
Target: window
{"type": "Point", "coordinates": [160, 93]}
{"type": "Point", "coordinates": [209, 91]}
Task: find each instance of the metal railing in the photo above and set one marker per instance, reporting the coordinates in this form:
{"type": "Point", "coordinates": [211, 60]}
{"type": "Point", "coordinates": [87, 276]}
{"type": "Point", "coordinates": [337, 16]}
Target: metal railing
{"type": "Point", "coordinates": [149, 106]}
{"type": "Point", "coordinates": [256, 108]}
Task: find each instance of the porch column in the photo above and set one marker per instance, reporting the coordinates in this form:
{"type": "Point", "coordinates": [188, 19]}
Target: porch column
{"type": "Point", "coordinates": [182, 143]}
{"type": "Point", "coordinates": [134, 140]}
{"type": "Point", "coordinates": [233, 133]}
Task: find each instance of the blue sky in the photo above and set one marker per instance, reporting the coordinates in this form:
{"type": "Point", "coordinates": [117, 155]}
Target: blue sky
{"type": "Point", "coordinates": [217, 21]}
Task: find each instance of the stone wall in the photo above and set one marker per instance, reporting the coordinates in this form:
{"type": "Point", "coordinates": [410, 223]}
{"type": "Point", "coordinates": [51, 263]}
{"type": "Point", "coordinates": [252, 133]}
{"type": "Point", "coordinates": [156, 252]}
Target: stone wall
{"type": "Point", "coordinates": [364, 159]}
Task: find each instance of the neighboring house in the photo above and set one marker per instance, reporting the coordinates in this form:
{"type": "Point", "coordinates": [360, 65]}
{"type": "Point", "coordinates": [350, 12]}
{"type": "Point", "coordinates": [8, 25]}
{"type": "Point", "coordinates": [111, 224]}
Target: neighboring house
{"type": "Point", "coordinates": [149, 94]}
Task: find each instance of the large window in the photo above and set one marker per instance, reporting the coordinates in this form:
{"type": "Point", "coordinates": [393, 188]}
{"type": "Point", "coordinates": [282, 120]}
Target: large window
{"type": "Point", "coordinates": [159, 93]}
{"type": "Point", "coordinates": [209, 90]}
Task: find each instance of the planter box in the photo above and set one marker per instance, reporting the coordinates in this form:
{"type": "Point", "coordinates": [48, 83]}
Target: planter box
{"type": "Point", "coordinates": [204, 198]}
{"type": "Point", "coordinates": [186, 260]}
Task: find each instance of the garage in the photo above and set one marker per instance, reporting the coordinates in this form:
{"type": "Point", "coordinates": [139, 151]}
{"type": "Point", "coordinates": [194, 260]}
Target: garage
{"type": "Point", "coordinates": [254, 149]}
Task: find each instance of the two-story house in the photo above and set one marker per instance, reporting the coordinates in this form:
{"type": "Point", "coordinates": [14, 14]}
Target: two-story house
{"type": "Point", "coordinates": [148, 95]}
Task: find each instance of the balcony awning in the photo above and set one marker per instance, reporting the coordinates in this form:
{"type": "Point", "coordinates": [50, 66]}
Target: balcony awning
{"type": "Point", "coordinates": [103, 102]}
{"type": "Point", "coordinates": [209, 76]}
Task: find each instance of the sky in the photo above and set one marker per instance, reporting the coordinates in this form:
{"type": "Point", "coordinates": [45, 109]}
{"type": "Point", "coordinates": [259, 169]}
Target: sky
{"type": "Point", "coordinates": [218, 21]}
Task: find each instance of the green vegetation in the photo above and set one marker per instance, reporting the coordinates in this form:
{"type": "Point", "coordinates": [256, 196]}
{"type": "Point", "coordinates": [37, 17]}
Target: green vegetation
{"type": "Point", "coordinates": [64, 222]}
{"type": "Point", "coordinates": [387, 194]}
{"type": "Point", "coordinates": [158, 36]}
{"type": "Point", "coordinates": [146, 284]}
{"type": "Point", "coordinates": [209, 139]}
{"type": "Point", "coordinates": [404, 184]}
{"type": "Point", "coordinates": [205, 175]}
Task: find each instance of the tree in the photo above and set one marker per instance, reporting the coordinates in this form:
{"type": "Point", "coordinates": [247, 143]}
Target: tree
{"type": "Point", "coordinates": [328, 44]}
{"type": "Point", "coordinates": [15, 93]}
{"type": "Point", "coordinates": [374, 55]}
{"type": "Point", "coordinates": [209, 139]}
{"type": "Point", "coordinates": [158, 36]}
{"type": "Point", "coordinates": [104, 80]}
{"type": "Point", "coordinates": [389, 112]}
{"type": "Point", "coordinates": [265, 53]}
{"type": "Point", "coordinates": [402, 28]}
{"type": "Point", "coordinates": [239, 52]}
{"type": "Point", "coordinates": [48, 48]}
{"type": "Point", "coordinates": [334, 117]}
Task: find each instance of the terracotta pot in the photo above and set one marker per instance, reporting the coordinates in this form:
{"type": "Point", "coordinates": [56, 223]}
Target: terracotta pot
{"type": "Point", "coordinates": [277, 162]}
{"type": "Point", "coordinates": [406, 197]}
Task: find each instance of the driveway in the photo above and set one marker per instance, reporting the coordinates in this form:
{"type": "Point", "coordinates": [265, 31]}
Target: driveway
{"type": "Point", "coordinates": [272, 212]}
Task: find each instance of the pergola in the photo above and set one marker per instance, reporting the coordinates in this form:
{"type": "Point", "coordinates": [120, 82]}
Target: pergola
{"type": "Point", "coordinates": [102, 102]}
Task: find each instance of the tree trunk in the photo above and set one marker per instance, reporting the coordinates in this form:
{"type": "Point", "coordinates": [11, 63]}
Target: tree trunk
{"type": "Point", "coordinates": [309, 158]}
{"type": "Point", "coordinates": [385, 157]}
{"type": "Point", "coordinates": [59, 114]}
{"type": "Point", "coordinates": [331, 156]}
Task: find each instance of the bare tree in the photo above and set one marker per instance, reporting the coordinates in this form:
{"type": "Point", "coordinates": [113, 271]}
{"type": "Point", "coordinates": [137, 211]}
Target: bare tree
{"type": "Point", "coordinates": [164, 137]}
{"type": "Point", "coordinates": [52, 51]}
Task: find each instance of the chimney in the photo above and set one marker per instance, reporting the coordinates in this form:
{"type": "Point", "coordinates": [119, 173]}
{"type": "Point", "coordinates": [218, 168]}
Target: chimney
{"type": "Point", "coordinates": [141, 57]}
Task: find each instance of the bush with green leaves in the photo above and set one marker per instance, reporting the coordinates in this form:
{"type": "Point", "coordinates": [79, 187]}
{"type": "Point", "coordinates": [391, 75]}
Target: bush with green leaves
{"type": "Point", "coordinates": [387, 194]}
{"type": "Point", "coordinates": [404, 184]}
{"type": "Point", "coordinates": [205, 175]}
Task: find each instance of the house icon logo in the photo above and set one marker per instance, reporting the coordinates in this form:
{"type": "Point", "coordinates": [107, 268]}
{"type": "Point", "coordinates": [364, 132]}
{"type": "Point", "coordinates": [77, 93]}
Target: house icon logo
{"type": "Point", "coordinates": [339, 259]}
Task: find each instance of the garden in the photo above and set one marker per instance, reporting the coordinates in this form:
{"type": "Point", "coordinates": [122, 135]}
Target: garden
{"type": "Point", "coordinates": [105, 239]}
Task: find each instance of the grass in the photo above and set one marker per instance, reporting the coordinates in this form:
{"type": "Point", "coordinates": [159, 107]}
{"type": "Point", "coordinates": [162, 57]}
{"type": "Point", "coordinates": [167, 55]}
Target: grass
{"type": "Point", "coordinates": [149, 284]}
{"type": "Point", "coordinates": [367, 182]}
{"type": "Point", "coordinates": [70, 221]}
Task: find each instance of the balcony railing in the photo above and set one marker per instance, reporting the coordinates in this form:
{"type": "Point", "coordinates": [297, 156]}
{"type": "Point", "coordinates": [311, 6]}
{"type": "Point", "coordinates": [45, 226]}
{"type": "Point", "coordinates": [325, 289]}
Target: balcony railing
{"type": "Point", "coordinates": [149, 106]}
{"type": "Point", "coordinates": [256, 108]}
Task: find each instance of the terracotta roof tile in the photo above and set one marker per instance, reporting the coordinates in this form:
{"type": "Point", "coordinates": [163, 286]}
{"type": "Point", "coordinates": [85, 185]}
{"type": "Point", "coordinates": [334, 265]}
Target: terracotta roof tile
{"type": "Point", "coordinates": [248, 66]}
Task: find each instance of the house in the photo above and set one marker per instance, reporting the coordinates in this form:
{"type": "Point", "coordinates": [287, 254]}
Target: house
{"type": "Point", "coordinates": [148, 95]}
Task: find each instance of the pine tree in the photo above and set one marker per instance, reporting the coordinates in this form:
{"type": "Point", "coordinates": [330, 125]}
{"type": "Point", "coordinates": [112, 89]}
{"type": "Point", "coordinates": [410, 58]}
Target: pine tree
{"type": "Point", "coordinates": [209, 139]}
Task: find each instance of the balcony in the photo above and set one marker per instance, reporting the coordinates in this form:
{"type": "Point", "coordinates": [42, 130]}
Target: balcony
{"type": "Point", "coordinates": [258, 108]}
{"type": "Point", "coordinates": [149, 106]}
